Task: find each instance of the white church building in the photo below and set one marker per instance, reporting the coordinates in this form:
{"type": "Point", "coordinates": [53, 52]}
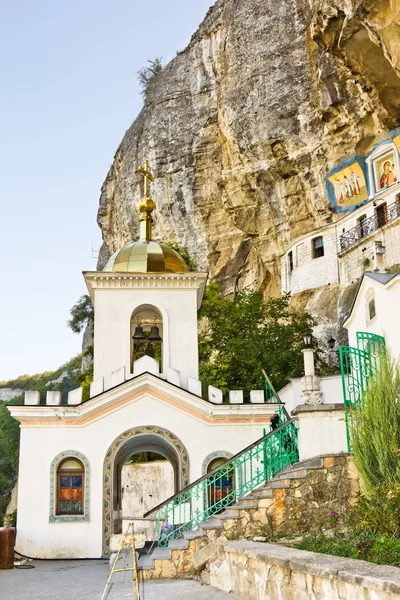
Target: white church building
{"type": "Point", "coordinates": [71, 457]}
{"type": "Point", "coordinates": [147, 397]}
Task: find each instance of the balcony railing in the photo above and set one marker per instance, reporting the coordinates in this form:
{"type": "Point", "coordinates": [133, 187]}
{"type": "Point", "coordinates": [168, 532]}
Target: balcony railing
{"type": "Point", "coordinates": [368, 226]}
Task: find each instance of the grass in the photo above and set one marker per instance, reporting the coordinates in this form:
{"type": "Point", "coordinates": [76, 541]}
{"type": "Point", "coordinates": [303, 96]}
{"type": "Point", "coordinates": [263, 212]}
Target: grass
{"type": "Point", "coordinates": [382, 550]}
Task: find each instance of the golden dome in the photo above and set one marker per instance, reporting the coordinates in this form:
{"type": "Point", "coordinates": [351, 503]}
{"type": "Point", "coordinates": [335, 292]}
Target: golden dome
{"type": "Point", "coordinates": [146, 257]}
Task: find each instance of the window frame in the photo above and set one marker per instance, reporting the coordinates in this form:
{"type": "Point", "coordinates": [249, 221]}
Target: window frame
{"type": "Point", "coordinates": [70, 473]}
{"type": "Point", "coordinates": [370, 299]}
{"type": "Point", "coordinates": [54, 516]}
{"type": "Point", "coordinates": [381, 209]}
{"type": "Point", "coordinates": [362, 233]}
{"type": "Point", "coordinates": [371, 302]}
{"type": "Point", "coordinates": [316, 249]}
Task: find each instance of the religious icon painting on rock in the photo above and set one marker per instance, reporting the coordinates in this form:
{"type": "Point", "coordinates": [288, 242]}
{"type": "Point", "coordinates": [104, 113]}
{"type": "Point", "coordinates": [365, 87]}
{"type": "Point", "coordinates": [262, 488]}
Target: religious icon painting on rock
{"type": "Point", "coordinates": [385, 169]}
{"type": "Point", "coordinates": [349, 185]}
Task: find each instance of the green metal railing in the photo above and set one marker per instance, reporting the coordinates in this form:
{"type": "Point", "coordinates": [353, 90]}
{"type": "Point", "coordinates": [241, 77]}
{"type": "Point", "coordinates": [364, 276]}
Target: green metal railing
{"type": "Point", "coordinates": [357, 366]}
{"type": "Point", "coordinates": [218, 490]}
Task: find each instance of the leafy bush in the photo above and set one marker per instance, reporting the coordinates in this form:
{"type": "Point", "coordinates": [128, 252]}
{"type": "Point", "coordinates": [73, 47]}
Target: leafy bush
{"type": "Point", "coordinates": [337, 545]}
{"type": "Point", "coordinates": [375, 427]}
{"type": "Point", "coordinates": [372, 529]}
{"type": "Point", "coordinates": [377, 514]}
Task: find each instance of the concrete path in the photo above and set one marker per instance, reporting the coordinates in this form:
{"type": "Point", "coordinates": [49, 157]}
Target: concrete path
{"type": "Point", "coordinates": [85, 580]}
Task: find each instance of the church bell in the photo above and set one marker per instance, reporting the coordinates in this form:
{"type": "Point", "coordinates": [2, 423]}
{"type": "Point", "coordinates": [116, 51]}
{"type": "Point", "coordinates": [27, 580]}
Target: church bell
{"type": "Point", "coordinates": [139, 336]}
{"type": "Point", "coordinates": [154, 334]}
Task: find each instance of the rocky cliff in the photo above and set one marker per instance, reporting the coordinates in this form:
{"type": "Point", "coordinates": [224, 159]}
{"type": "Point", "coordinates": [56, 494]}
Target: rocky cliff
{"type": "Point", "coordinates": [242, 126]}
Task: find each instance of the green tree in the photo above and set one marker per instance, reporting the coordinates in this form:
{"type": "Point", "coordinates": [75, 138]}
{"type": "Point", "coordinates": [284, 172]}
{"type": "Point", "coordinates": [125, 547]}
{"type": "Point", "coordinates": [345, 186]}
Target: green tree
{"type": "Point", "coordinates": [241, 336]}
{"type": "Point", "coordinates": [146, 75]}
{"type": "Point", "coordinates": [375, 427]}
{"type": "Point", "coordinates": [82, 314]}
{"type": "Point", "coordinates": [9, 445]}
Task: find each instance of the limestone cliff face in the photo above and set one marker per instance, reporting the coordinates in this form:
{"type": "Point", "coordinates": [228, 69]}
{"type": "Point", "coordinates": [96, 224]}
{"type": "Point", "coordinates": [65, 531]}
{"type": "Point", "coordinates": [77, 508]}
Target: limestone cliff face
{"type": "Point", "coordinates": [242, 126]}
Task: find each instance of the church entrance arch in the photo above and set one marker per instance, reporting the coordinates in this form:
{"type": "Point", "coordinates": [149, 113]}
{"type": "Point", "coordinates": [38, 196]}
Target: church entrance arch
{"type": "Point", "coordinates": [139, 439]}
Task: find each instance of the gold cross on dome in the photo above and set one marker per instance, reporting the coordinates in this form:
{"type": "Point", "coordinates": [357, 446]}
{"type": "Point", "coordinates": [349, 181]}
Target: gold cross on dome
{"type": "Point", "coordinates": [147, 177]}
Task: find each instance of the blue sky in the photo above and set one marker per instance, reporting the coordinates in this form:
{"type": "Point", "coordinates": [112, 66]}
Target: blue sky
{"type": "Point", "coordinates": [68, 93]}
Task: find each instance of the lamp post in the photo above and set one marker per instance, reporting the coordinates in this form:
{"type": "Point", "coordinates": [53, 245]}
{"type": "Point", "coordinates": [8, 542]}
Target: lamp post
{"type": "Point", "coordinates": [310, 383]}
{"type": "Point", "coordinates": [308, 339]}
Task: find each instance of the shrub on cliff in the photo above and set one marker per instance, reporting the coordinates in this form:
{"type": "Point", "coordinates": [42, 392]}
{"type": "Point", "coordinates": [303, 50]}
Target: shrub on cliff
{"type": "Point", "coordinates": [146, 75]}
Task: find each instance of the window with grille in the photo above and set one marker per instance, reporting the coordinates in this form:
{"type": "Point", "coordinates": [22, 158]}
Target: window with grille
{"type": "Point", "coordinates": [70, 486]}
{"type": "Point", "coordinates": [318, 247]}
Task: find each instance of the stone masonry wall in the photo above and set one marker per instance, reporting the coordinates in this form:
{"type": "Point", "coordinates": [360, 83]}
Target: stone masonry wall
{"type": "Point", "coordinates": [266, 572]}
{"type": "Point", "coordinates": [298, 501]}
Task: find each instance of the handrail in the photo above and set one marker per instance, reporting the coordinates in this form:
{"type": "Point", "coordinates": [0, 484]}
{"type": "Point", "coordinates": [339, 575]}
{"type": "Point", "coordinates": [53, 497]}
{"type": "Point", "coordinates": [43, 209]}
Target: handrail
{"type": "Point", "coordinates": [239, 475]}
{"type": "Point", "coordinates": [368, 226]}
{"type": "Point", "coordinates": [210, 474]}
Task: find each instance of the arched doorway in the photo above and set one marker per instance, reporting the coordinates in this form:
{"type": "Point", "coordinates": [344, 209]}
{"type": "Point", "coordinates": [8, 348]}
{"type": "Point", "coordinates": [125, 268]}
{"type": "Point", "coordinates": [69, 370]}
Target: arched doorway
{"type": "Point", "coordinates": [139, 439]}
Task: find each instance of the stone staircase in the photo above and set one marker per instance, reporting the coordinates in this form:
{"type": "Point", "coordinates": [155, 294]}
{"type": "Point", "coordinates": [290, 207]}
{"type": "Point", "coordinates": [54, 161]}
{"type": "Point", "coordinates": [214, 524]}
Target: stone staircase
{"type": "Point", "coordinates": [294, 501]}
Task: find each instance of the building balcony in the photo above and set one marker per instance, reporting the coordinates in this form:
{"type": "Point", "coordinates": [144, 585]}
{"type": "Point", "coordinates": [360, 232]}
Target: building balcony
{"type": "Point", "coordinates": [366, 227]}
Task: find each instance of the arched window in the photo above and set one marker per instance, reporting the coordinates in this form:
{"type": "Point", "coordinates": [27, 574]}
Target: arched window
{"type": "Point", "coordinates": [147, 334]}
{"type": "Point", "coordinates": [70, 487]}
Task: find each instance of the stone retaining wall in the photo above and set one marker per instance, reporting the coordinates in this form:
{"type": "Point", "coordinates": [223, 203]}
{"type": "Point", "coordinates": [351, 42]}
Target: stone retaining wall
{"type": "Point", "coordinates": [255, 571]}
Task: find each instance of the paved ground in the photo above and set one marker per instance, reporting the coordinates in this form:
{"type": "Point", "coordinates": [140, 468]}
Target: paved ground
{"type": "Point", "coordinates": [77, 579]}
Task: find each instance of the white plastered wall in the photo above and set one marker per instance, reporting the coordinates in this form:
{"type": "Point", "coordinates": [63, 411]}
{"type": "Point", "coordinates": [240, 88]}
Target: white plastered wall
{"type": "Point", "coordinates": [321, 432]}
{"type": "Point", "coordinates": [36, 536]}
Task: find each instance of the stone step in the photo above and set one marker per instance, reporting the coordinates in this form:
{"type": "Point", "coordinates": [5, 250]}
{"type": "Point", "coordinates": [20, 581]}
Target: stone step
{"type": "Point", "coordinates": [178, 544]}
{"type": "Point", "coordinates": [192, 535]}
{"type": "Point", "coordinates": [279, 483]}
{"type": "Point", "coordinates": [145, 562]}
{"type": "Point", "coordinates": [231, 513]}
{"type": "Point", "coordinates": [298, 474]}
{"type": "Point", "coordinates": [245, 504]}
{"type": "Point", "coordinates": [264, 493]}
{"type": "Point", "coordinates": [312, 463]}
{"type": "Point", "coordinates": [210, 525]}
{"type": "Point", "coordinates": [160, 553]}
